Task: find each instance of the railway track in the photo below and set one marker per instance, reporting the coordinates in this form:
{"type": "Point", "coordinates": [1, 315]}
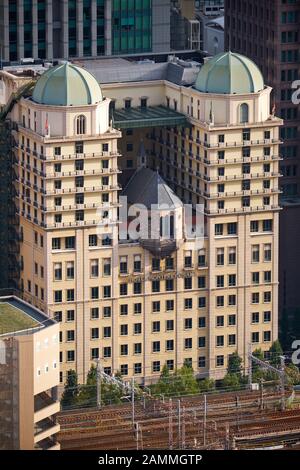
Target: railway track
{"type": "Point", "coordinates": [112, 428]}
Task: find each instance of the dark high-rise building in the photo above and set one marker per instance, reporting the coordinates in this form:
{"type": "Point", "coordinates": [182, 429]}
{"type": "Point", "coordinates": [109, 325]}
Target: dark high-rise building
{"type": "Point", "coordinates": [48, 29]}
{"type": "Point", "coordinates": [268, 32]}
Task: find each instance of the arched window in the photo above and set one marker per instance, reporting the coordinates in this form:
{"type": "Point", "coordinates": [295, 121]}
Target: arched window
{"type": "Point", "coordinates": [80, 125]}
{"type": "Point", "coordinates": [244, 113]}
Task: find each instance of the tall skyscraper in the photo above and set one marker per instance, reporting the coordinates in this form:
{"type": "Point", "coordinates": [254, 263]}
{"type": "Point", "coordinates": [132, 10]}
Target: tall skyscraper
{"type": "Point", "coordinates": [48, 29]}
{"type": "Point", "coordinates": [268, 33]}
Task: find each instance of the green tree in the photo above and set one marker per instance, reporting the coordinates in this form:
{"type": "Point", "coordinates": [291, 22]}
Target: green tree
{"type": "Point", "coordinates": [70, 393]}
{"type": "Point", "coordinates": [207, 385]}
{"type": "Point", "coordinates": [164, 384]}
{"type": "Point", "coordinates": [275, 353]}
{"type": "Point", "coordinates": [88, 391]}
{"type": "Point", "coordinates": [181, 382]}
{"type": "Point", "coordinates": [110, 392]}
{"type": "Point", "coordinates": [189, 384]}
{"type": "Point", "coordinates": [292, 374]}
{"type": "Point", "coordinates": [234, 364]}
{"type": "Point", "coordinates": [231, 381]}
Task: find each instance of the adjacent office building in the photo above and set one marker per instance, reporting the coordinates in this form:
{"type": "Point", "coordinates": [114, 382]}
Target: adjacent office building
{"type": "Point", "coordinates": [29, 376]}
{"type": "Point", "coordinates": [49, 29]}
{"type": "Point", "coordinates": [268, 32]}
{"type": "Point", "coordinates": [210, 14]}
{"type": "Point", "coordinates": [179, 135]}
{"type": "Point", "coordinates": [185, 28]}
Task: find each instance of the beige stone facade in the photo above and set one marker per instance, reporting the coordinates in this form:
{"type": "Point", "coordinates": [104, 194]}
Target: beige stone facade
{"type": "Point", "coordinates": [29, 372]}
{"type": "Point", "coordinates": [203, 305]}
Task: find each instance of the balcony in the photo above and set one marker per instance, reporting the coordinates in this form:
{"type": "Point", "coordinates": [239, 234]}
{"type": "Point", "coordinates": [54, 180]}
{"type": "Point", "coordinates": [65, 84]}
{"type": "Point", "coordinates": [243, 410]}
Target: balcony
{"type": "Point", "coordinates": [81, 207]}
{"type": "Point", "coordinates": [242, 210]}
{"type": "Point", "coordinates": [48, 444]}
{"type": "Point", "coordinates": [81, 223]}
{"type": "Point", "coordinates": [80, 189]}
{"type": "Point", "coordinates": [255, 192]}
{"type": "Point", "coordinates": [81, 156]}
{"type": "Point", "coordinates": [27, 166]}
{"type": "Point", "coordinates": [233, 161]}
{"type": "Point", "coordinates": [241, 143]}
{"type": "Point", "coordinates": [45, 428]}
{"type": "Point", "coordinates": [244, 176]}
{"type": "Point", "coordinates": [68, 174]}
{"type": "Point", "coordinates": [44, 407]}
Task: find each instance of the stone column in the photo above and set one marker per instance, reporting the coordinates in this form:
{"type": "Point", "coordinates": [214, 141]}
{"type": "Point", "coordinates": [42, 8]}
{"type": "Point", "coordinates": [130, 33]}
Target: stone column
{"type": "Point", "coordinates": [94, 28]}
{"type": "Point", "coordinates": [108, 27]}
{"type": "Point", "coordinates": [20, 28]}
{"type": "Point", "coordinates": [79, 26]}
{"type": "Point", "coordinates": [49, 30]}
{"type": "Point", "coordinates": [4, 52]}
{"type": "Point", "coordinates": [65, 30]}
{"type": "Point", "coordinates": [35, 50]}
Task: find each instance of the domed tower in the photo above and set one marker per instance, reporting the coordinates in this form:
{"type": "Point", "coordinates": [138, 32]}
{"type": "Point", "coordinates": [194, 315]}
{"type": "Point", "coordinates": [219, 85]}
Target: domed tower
{"type": "Point", "coordinates": [238, 138]}
{"type": "Point", "coordinates": [67, 101]}
{"type": "Point", "coordinates": [230, 73]}
{"type": "Point", "coordinates": [232, 91]}
{"type": "Point", "coordinates": [68, 199]}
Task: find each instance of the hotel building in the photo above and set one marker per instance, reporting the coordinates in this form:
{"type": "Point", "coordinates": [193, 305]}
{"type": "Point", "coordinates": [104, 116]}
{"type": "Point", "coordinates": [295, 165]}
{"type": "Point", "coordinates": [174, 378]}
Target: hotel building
{"type": "Point", "coordinates": [207, 138]}
{"type": "Point", "coordinates": [268, 33]}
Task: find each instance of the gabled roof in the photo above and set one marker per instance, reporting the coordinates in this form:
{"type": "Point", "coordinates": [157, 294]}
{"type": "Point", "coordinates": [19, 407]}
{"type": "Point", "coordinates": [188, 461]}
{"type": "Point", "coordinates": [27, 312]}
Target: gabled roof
{"type": "Point", "coordinates": [148, 188]}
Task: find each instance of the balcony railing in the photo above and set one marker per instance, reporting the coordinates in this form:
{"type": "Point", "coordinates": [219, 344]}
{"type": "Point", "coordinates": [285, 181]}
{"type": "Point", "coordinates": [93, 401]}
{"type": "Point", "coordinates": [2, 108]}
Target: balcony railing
{"type": "Point", "coordinates": [66, 174]}
{"type": "Point", "coordinates": [81, 223]}
{"type": "Point", "coordinates": [254, 192]}
{"type": "Point", "coordinates": [81, 207]}
{"type": "Point", "coordinates": [84, 189]}
{"type": "Point", "coordinates": [243, 176]}
{"type": "Point", "coordinates": [242, 210]}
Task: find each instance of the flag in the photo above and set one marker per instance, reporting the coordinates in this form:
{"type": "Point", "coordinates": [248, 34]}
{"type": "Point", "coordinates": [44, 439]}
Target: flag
{"type": "Point", "coordinates": [274, 109]}
{"type": "Point", "coordinates": [47, 125]}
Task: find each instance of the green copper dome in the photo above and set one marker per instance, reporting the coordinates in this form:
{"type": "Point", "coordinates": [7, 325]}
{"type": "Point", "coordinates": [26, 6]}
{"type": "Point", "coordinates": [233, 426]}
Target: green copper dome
{"type": "Point", "coordinates": [229, 73]}
{"type": "Point", "coordinates": [67, 85]}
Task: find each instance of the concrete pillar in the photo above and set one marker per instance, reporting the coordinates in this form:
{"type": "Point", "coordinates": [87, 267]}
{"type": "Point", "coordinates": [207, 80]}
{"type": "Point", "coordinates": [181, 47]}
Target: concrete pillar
{"type": "Point", "coordinates": [108, 27]}
{"type": "Point", "coordinates": [35, 52]}
{"type": "Point", "coordinates": [115, 324]}
{"type": "Point", "coordinates": [94, 28]}
{"type": "Point", "coordinates": [65, 31]}
{"type": "Point", "coordinates": [49, 30]}
{"type": "Point", "coordinates": [20, 28]}
{"type": "Point", "coordinates": [211, 299]}
{"type": "Point", "coordinates": [80, 317]}
{"type": "Point", "coordinates": [4, 47]}
{"type": "Point", "coordinates": [79, 26]}
{"type": "Point", "coordinates": [147, 317]}
{"type": "Point", "coordinates": [275, 280]}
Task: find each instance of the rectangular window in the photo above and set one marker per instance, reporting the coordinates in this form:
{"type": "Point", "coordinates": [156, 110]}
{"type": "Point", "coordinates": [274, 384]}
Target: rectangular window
{"type": "Point", "coordinates": [94, 313]}
{"type": "Point", "coordinates": [107, 312]}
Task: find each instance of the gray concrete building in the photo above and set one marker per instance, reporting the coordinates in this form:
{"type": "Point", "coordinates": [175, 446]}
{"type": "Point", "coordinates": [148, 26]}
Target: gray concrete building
{"type": "Point", "coordinates": [52, 29]}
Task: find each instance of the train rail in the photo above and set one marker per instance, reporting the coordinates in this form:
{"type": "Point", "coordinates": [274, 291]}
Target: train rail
{"type": "Point", "coordinates": [229, 421]}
